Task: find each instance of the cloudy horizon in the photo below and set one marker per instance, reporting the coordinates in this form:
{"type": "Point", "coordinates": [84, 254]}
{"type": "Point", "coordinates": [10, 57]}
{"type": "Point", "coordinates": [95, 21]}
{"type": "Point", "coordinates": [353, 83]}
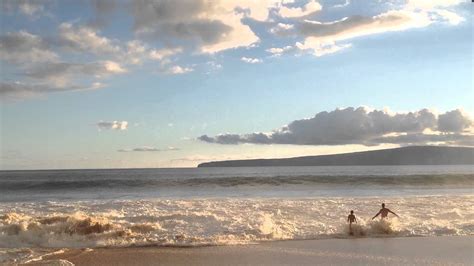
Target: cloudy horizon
{"type": "Point", "coordinates": [158, 83]}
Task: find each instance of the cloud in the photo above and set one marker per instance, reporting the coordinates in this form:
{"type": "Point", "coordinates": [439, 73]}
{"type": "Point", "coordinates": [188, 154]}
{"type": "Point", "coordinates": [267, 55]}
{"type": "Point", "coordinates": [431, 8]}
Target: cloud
{"type": "Point", "coordinates": [30, 8]}
{"type": "Point", "coordinates": [454, 121]}
{"type": "Point", "coordinates": [19, 90]}
{"type": "Point", "coordinates": [24, 47]}
{"type": "Point", "coordinates": [431, 4]}
{"type": "Point", "coordinates": [277, 51]}
{"type": "Point", "coordinates": [344, 4]}
{"type": "Point", "coordinates": [325, 49]}
{"type": "Point", "coordinates": [176, 70]}
{"type": "Point", "coordinates": [113, 125]}
{"type": "Point", "coordinates": [282, 29]}
{"type": "Point", "coordinates": [16, 90]}
{"type": "Point", "coordinates": [361, 126]}
{"type": "Point", "coordinates": [291, 12]}
{"type": "Point", "coordinates": [42, 71]}
{"type": "Point", "coordinates": [62, 74]}
{"type": "Point", "coordinates": [323, 36]}
{"type": "Point", "coordinates": [160, 54]}
{"type": "Point", "coordinates": [102, 11]}
{"type": "Point", "coordinates": [208, 26]}
{"type": "Point", "coordinates": [59, 77]}
{"type": "Point", "coordinates": [78, 55]}
{"type": "Point", "coordinates": [251, 60]}
{"type": "Point", "coordinates": [147, 149]}
{"type": "Point", "coordinates": [420, 138]}
{"type": "Point", "coordinates": [451, 17]}
{"type": "Point", "coordinates": [85, 39]}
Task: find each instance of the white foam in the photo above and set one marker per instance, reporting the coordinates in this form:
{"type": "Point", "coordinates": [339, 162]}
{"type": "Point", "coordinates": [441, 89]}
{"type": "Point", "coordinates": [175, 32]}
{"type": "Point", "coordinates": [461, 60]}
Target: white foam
{"type": "Point", "coordinates": [224, 220]}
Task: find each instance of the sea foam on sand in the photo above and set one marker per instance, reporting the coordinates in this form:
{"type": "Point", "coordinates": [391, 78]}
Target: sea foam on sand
{"type": "Point", "coordinates": [356, 251]}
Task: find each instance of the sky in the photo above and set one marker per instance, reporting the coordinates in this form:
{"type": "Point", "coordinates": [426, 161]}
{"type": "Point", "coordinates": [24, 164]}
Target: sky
{"type": "Point", "coordinates": [160, 83]}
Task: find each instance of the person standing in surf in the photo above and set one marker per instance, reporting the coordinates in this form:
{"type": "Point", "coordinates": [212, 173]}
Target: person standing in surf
{"type": "Point", "coordinates": [351, 219]}
{"type": "Point", "coordinates": [384, 212]}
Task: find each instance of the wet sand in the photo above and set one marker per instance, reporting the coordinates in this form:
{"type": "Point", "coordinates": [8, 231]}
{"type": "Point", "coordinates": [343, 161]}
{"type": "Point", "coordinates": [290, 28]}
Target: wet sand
{"type": "Point", "coordinates": [361, 251]}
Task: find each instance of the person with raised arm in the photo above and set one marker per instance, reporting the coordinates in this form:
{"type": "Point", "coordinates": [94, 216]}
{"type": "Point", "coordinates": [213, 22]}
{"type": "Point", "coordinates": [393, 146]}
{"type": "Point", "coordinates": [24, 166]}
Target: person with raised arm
{"type": "Point", "coordinates": [384, 212]}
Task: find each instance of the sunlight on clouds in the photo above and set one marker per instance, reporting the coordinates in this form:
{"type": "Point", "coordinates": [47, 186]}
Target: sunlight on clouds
{"type": "Point", "coordinates": [168, 33]}
{"type": "Point", "coordinates": [291, 12]}
{"type": "Point", "coordinates": [321, 35]}
{"type": "Point", "coordinates": [113, 67]}
{"type": "Point", "coordinates": [361, 126]}
{"type": "Point", "coordinates": [451, 17]}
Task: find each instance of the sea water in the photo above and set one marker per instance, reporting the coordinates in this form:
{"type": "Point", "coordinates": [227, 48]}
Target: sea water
{"type": "Point", "coordinates": [40, 210]}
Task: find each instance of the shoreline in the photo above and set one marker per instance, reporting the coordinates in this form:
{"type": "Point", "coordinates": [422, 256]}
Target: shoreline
{"type": "Point", "coordinates": [442, 250]}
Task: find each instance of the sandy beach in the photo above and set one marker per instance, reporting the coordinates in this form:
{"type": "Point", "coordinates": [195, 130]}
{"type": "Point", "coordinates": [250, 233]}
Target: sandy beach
{"type": "Point", "coordinates": [362, 251]}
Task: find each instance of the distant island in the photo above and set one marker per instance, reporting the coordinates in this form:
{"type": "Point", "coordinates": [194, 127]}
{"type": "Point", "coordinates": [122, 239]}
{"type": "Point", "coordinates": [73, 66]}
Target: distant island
{"type": "Point", "coordinates": [413, 155]}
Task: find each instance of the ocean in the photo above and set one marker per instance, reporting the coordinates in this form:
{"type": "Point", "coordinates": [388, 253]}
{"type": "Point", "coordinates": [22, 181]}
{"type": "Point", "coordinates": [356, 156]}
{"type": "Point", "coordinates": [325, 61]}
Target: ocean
{"type": "Point", "coordinates": [47, 210]}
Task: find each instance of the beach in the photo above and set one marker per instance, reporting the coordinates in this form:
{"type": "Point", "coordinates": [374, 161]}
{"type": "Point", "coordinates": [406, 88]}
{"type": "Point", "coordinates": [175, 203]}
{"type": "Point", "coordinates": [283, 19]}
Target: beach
{"type": "Point", "coordinates": [358, 251]}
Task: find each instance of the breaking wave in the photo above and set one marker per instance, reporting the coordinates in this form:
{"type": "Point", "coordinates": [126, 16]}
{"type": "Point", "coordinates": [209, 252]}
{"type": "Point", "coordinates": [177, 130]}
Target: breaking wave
{"type": "Point", "coordinates": [224, 221]}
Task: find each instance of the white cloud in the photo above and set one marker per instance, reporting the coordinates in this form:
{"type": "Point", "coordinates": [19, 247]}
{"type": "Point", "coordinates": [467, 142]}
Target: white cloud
{"type": "Point", "coordinates": [319, 35]}
{"type": "Point", "coordinates": [325, 48]}
{"type": "Point", "coordinates": [177, 70]}
{"type": "Point", "coordinates": [282, 29]}
{"type": "Point", "coordinates": [258, 10]}
{"type": "Point", "coordinates": [148, 149]}
{"type": "Point", "coordinates": [322, 38]}
{"type": "Point", "coordinates": [160, 54]}
{"type": "Point", "coordinates": [291, 12]}
{"type": "Point", "coordinates": [113, 67]}
{"type": "Point", "coordinates": [135, 52]}
{"type": "Point", "coordinates": [361, 126]}
{"type": "Point", "coordinates": [213, 67]}
{"type": "Point", "coordinates": [250, 60]}
{"type": "Point", "coordinates": [84, 39]}
{"type": "Point", "coordinates": [277, 51]}
{"type": "Point", "coordinates": [112, 125]}
{"type": "Point", "coordinates": [346, 3]}
{"type": "Point", "coordinates": [431, 4]}
{"type": "Point", "coordinates": [451, 17]}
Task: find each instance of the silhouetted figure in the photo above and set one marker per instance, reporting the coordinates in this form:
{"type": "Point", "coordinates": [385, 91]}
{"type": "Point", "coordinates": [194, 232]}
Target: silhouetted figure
{"type": "Point", "coordinates": [351, 219]}
{"type": "Point", "coordinates": [384, 212]}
